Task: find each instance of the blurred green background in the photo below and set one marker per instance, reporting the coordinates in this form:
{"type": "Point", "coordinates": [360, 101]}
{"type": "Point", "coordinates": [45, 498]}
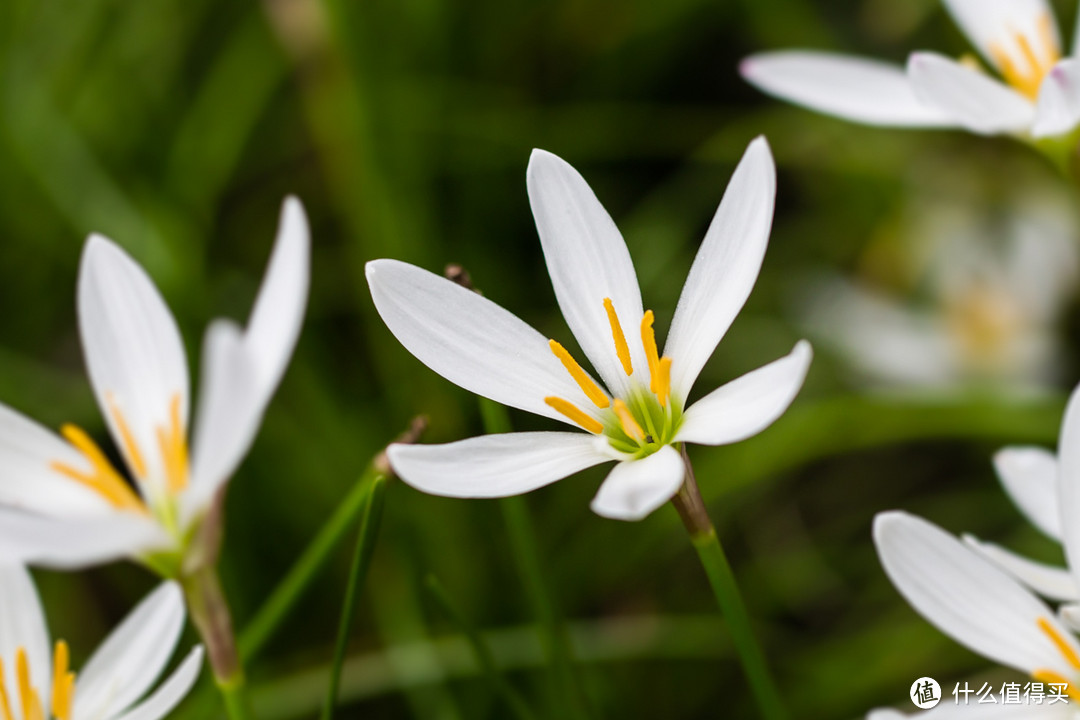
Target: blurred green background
{"type": "Point", "coordinates": [177, 126]}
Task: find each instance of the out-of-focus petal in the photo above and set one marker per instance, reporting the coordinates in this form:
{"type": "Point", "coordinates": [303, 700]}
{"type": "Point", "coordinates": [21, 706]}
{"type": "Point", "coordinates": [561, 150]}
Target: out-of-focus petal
{"type": "Point", "coordinates": [974, 100]}
{"type": "Point", "coordinates": [1030, 477]}
{"type": "Point", "coordinates": [633, 489]}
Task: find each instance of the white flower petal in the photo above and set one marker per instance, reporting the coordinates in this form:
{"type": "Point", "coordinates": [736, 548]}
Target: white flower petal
{"type": "Point", "coordinates": [231, 404]}
{"type": "Point", "coordinates": [1049, 581]}
{"type": "Point", "coordinates": [133, 350]}
{"type": "Point", "coordinates": [169, 693]}
{"type": "Point", "coordinates": [494, 465]}
{"type": "Point", "coordinates": [725, 269]}
{"type": "Point", "coordinates": [635, 488]}
{"type": "Point", "coordinates": [68, 543]}
{"type": "Point", "coordinates": [995, 26]}
{"type": "Point", "coordinates": [1069, 482]}
{"type": "Point", "coordinates": [22, 625]}
{"type": "Point", "coordinates": [278, 313]}
{"type": "Point", "coordinates": [470, 340]}
{"type": "Point", "coordinates": [866, 91]}
{"type": "Point", "coordinates": [27, 478]}
{"type": "Point", "coordinates": [967, 597]}
{"type": "Point", "coordinates": [132, 657]}
{"type": "Point", "coordinates": [746, 406]}
{"type": "Point", "coordinates": [1057, 111]}
{"type": "Point", "coordinates": [588, 261]}
{"type": "Point", "coordinates": [1029, 475]}
{"type": "Point", "coordinates": [976, 101]}
{"type": "Point", "coordinates": [1070, 616]}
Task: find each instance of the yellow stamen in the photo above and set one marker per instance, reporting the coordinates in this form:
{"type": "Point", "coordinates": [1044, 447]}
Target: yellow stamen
{"type": "Point", "coordinates": [63, 688]}
{"type": "Point", "coordinates": [629, 424]}
{"type": "Point", "coordinates": [648, 339]}
{"type": "Point", "coordinates": [574, 413]}
{"type": "Point", "coordinates": [1037, 61]}
{"type": "Point", "coordinates": [620, 340]}
{"type": "Point", "coordinates": [586, 383]}
{"type": "Point", "coordinates": [174, 448]}
{"type": "Point", "coordinates": [663, 383]}
{"type": "Point", "coordinates": [104, 480]}
{"type": "Point", "coordinates": [1067, 651]}
{"type": "Point", "coordinates": [131, 448]}
{"type": "Point", "coordinates": [28, 697]}
{"type": "Point", "coordinates": [1052, 678]}
{"type": "Point", "coordinates": [5, 702]}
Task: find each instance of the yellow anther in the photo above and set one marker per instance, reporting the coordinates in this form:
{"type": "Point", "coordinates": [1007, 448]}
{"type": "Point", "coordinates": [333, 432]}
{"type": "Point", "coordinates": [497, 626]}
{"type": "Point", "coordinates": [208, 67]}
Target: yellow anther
{"type": "Point", "coordinates": [663, 383]}
{"type": "Point", "coordinates": [1052, 678]}
{"type": "Point", "coordinates": [1067, 651]}
{"type": "Point", "coordinates": [104, 480]}
{"type": "Point", "coordinates": [63, 688]}
{"type": "Point", "coordinates": [586, 383]}
{"type": "Point", "coordinates": [1037, 61]}
{"type": "Point", "coordinates": [648, 339]}
{"type": "Point", "coordinates": [173, 446]}
{"type": "Point", "coordinates": [626, 419]}
{"type": "Point", "coordinates": [5, 701]}
{"type": "Point", "coordinates": [131, 448]}
{"type": "Point", "coordinates": [575, 413]}
{"type": "Point", "coordinates": [621, 348]}
{"type": "Point", "coordinates": [28, 697]}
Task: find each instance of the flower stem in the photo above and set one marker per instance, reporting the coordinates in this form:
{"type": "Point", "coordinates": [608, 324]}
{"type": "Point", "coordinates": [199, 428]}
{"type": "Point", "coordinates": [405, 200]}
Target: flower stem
{"type": "Point", "coordinates": [210, 613]}
{"type": "Point", "coordinates": [703, 536]}
{"type": "Point", "coordinates": [370, 520]}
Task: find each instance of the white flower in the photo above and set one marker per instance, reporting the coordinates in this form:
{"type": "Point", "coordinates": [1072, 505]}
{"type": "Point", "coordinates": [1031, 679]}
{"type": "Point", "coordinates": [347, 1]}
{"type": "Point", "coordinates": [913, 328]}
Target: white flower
{"type": "Point", "coordinates": [980, 606]}
{"type": "Point", "coordinates": [991, 295]}
{"type": "Point", "coordinates": [36, 681]}
{"type": "Point", "coordinates": [1019, 39]}
{"type": "Point", "coordinates": [640, 411]}
{"type": "Point", "coordinates": [62, 502]}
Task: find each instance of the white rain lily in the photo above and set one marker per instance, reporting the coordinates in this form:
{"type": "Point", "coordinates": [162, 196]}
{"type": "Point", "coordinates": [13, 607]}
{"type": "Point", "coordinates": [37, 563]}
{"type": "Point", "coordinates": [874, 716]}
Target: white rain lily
{"type": "Point", "coordinates": [62, 501]}
{"type": "Point", "coordinates": [990, 298]}
{"type": "Point", "coordinates": [37, 682]}
{"type": "Point", "coordinates": [983, 608]}
{"type": "Point", "coordinates": [639, 413]}
{"type": "Point", "coordinates": [1037, 93]}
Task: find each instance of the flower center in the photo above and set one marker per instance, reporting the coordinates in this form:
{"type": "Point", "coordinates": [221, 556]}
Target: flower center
{"type": "Point", "coordinates": [638, 423]}
{"type": "Point", "coordinates": [26, 698]}
{"type": "Point", "coordinates": [1067, 651]}
{"type": "Point", "coordinates": [107, 482]}
{"type": "Point", "coordinates": [985, 323]}
{"type": "Point", "coordinates": [1025, 59]}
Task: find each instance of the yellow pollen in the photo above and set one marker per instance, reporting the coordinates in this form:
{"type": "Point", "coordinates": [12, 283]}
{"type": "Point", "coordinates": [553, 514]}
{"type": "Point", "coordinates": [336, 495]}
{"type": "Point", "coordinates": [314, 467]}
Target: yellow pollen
{"type": "Point", "coordinates": [663, 383]}
{"type": "Point", "coordinates": [131, 448]}
{"type": "Point", "coordinates": [104, 480]}
{"type": "Point", "coordinates": [1052, 678]}
{"type": "Point", "coordinates": [5, 702]}
{"type": "Point", "coordinates": [620, 340]}
{"type": "Point", "coordinates": [586, 383]}
{"type": "Point", "coordinates": [63, 688]}
{"type": "Point", "coordinates": [575, 413]}
{"type": "Point", "coordinates": [648, 339]}
{"type": "Point", "coordinates": [174, 448]}
{"type": "Point", "coordinates": [629, 424]}
{"type": "Point", "coordinates": [1037, 61]}
{"type": "Point", "coordinates": [1067, 651]}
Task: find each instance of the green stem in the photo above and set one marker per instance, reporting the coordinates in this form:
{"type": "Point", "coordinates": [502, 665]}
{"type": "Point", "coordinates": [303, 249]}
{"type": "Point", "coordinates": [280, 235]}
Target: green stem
{"type": "Point", "coordinates": [365, 546]}
{"type": "Point", "coordinates": [703, 536]}
{"type": "Point", "coordinates": [526, 553]}
{"type": "Point", "coordinates": [209, 612]}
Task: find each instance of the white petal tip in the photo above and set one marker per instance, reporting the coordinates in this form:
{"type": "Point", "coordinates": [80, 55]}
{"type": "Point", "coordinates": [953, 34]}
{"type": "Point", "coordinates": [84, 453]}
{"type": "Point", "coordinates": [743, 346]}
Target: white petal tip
{"type": "Point", "coordinates": [890, 521]}
{"type": "Point", "coordinates": [540, 160]}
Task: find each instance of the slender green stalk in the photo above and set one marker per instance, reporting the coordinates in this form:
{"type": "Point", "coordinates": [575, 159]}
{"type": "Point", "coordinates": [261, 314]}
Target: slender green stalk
{"type": "Point", "coordinates": [485, 658]}
{"type": "Point", "coordinates": [526, 553]}
{"type": "Point", "coordinates": [703, 536]}
{"type": "Point", "coordinates": [366, 538]}
{"type": "Point", "coordinates": [210, 612]}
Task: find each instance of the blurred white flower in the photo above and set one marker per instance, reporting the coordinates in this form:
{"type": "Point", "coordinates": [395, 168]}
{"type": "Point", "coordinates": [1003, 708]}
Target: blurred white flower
{"type": "Point", "coordinates": [1037, 95]}
{"type": "Point", "coordinates": [981, 607]}
{"type": "Point", "coordinates": [639, 418]}
{"type": "Point", "coordinates": [36, 680]}
{"type": "Point", "coordinates": [62, 501]}
{"type": "Point", "coordinates": [993, 292]}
